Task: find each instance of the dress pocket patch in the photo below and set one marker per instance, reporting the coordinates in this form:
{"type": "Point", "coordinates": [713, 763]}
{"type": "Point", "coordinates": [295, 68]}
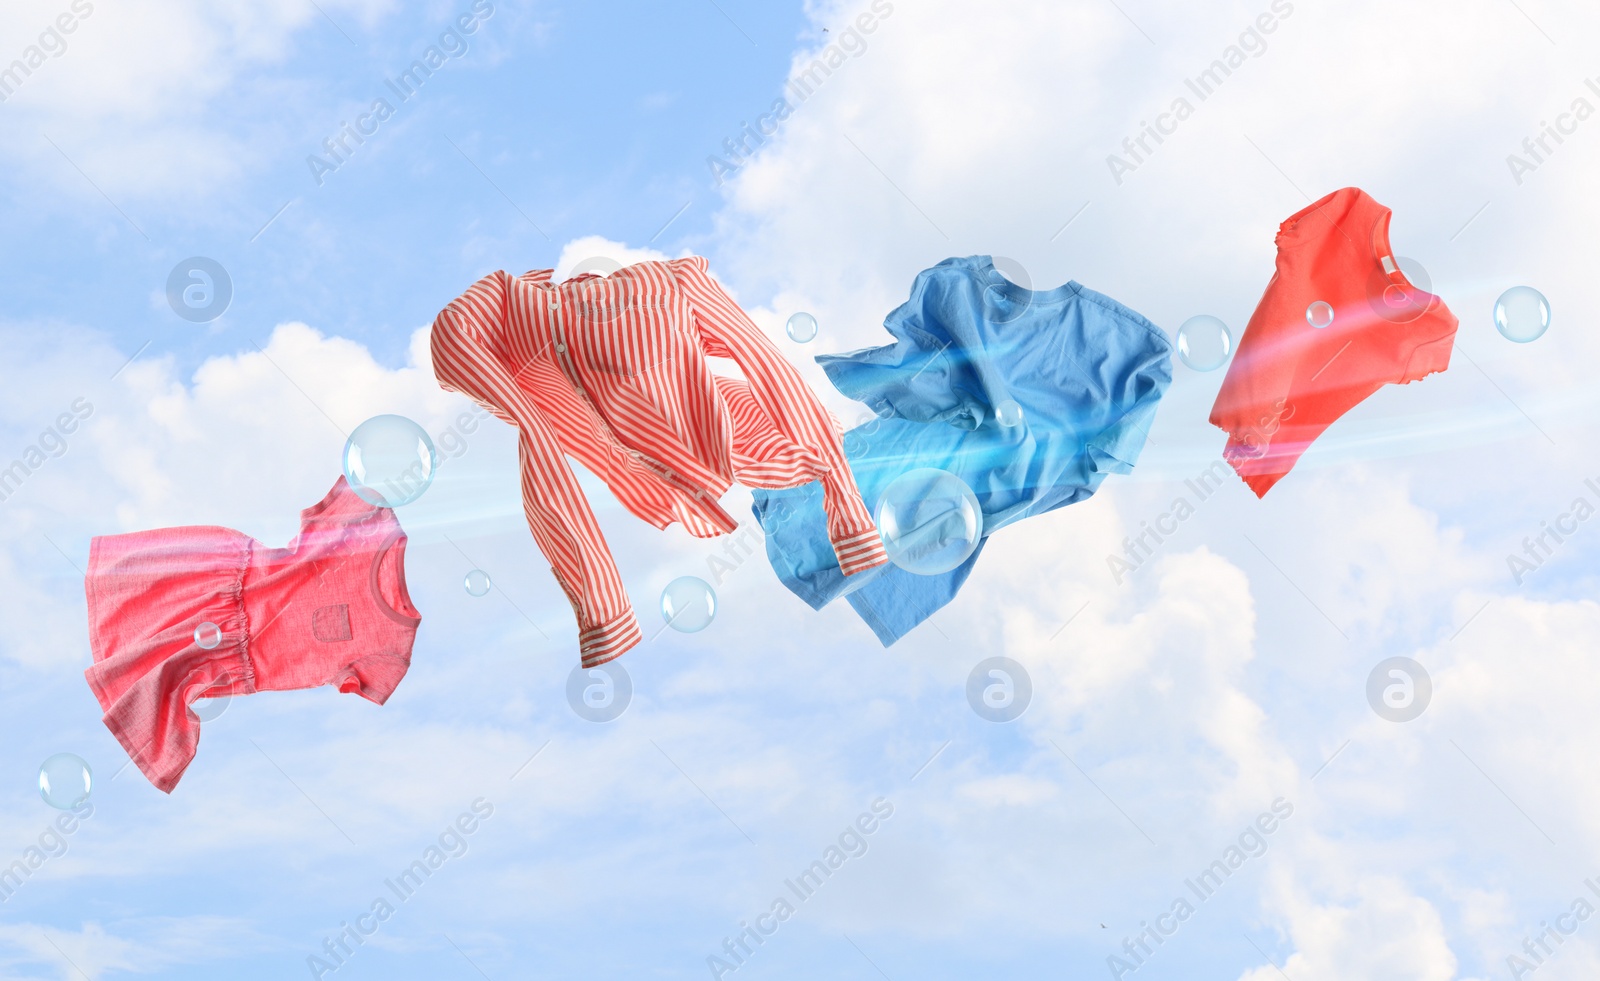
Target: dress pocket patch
{"type": "Point", "coordinates": [331, 623]}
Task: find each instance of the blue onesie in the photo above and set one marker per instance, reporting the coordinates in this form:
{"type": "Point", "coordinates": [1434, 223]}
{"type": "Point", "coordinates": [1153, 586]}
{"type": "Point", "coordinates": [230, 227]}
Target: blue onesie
{"type": "Point", "coordinates": [1086, 371]}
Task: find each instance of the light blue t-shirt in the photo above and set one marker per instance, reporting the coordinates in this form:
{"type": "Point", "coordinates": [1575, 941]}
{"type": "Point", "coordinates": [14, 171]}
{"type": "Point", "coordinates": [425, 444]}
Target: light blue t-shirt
{"type": "Point", "coordinates": [1086, 372]}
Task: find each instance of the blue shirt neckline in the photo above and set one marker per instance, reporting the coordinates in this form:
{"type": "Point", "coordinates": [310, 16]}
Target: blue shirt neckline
{"type": "Point", "coordinates": [996, 280]}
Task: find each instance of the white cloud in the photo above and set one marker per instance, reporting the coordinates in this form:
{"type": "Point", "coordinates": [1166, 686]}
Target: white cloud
{"type": "Point", "coordinates": [1377, 930]}
{"type": "Point", "coordinates": [166, 99]}
{"type": "Point", "coordinates": [142, 946]}
{"type": "Point", "coordinates": [1191, 697]}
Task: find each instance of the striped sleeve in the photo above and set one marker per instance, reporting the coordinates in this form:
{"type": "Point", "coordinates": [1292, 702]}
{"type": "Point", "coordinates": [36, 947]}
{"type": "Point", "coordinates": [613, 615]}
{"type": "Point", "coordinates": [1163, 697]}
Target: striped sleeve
{"type": "Point", "coordinates": [727, 331]}
{"type": "Point", "coordinates": [559, 515]}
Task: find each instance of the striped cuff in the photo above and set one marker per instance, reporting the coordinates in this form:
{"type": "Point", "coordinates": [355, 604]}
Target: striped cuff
{"type": "Point", "coordinates": [608, 641]}
{"type": "Point", "coordinates": [860, 552]}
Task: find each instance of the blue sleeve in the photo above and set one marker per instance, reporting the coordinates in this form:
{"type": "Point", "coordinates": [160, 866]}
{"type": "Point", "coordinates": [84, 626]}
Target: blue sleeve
{"type": "Point", "coordinates": [796, 531]}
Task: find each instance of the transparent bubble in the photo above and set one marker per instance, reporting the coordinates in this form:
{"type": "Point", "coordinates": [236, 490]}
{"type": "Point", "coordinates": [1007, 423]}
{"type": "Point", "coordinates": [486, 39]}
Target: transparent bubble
{"type": "Point", "coordinates": [688, 604]}
{"type": "Point", "coordinates": [477, 583]}
{"type": "Point", "coordinates": [801, 327]}
{"type": "Point", "coordinates": [208, 635]}
{"type": "Point", "coordinates": [1522, 314]}
{"type": "Point", "coordinates": [930, 521]}
{"type": "Point", "coordinates": [1008, 413]}
{"type": "Point", "coordinates": [389, 461]}
{"type": "Point", "coordinates": [1204, 343]}
{"type": "Point", "coordinates": [1320, 314]}
{"type": "Point", "coordinates": [64, 780]}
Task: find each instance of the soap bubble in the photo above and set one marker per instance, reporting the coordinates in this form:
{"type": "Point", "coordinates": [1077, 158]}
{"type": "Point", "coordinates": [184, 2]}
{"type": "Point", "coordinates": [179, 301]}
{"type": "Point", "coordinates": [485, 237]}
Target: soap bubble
{"type": "Point", "coordinates": [1204, 343]}
{"type": "Point", "coordinates": [1008, 413]}
{"type": "Point", "coordinates": [801, 327]}
{"type": "Point", "coordinates": [477, 583]}
{"type": "Point", "coordinates": [1522, 314]}
{"type": "Point", "coordinates": [389, 461]}
{"type": "Point", "coordinates": [688, 604]}
{"type": "Point", "coordinates": [929, 520]}
{"type": "Point", "coordinates": [1320, 314]}
{"type": "Point", "coordinates": [64, 781]}
{"type": "Point", "coordinates": [208, 635]}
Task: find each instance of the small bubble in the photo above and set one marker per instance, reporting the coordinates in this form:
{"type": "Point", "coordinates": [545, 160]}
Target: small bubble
{"type": "Point", "coordinates": [477, 583]}
{"type": "Point", "coordinates": [1008, 413]}
{"type": "Point", "coordinates": [688, 604]}
{"type": "Point", "coordinates": [1204, 343]}
{"type": "Point", "coordinates": [389, 461]}
{"type": "Point", "coordinates": [64, 781]}
{"type": "Point", "coordinates": [802, 327]}
{"type": "Point", "coordinates": [1522, 314]}
{"type": "Point", "coordinates": [930, 521]}
{"type": "Point", "coordinates": [1320, 314]}
{"type": "Point", "coordinates": [208, 635]}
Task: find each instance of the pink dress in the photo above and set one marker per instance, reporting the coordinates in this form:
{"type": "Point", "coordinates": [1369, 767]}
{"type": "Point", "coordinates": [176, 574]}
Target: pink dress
{"type": "Point", "coordinates": [331, 608]}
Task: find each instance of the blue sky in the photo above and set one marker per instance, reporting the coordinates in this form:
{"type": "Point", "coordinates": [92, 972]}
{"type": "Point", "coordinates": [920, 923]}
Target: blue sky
{"type": "Point", "coordinates": [1168, 711]}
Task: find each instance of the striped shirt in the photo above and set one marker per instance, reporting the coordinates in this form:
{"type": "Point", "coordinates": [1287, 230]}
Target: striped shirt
{"type": "Point", "coordinates": [612, 370]}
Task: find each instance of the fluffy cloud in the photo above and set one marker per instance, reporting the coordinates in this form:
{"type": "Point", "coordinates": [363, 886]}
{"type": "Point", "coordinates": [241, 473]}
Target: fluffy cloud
{"type": "Point", "coordinates": [1223, 674]}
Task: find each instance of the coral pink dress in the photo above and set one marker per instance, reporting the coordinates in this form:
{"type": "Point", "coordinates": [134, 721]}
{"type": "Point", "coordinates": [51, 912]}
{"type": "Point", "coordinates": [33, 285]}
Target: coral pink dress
{"type": "Point", "coordinates": [331, 608]}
